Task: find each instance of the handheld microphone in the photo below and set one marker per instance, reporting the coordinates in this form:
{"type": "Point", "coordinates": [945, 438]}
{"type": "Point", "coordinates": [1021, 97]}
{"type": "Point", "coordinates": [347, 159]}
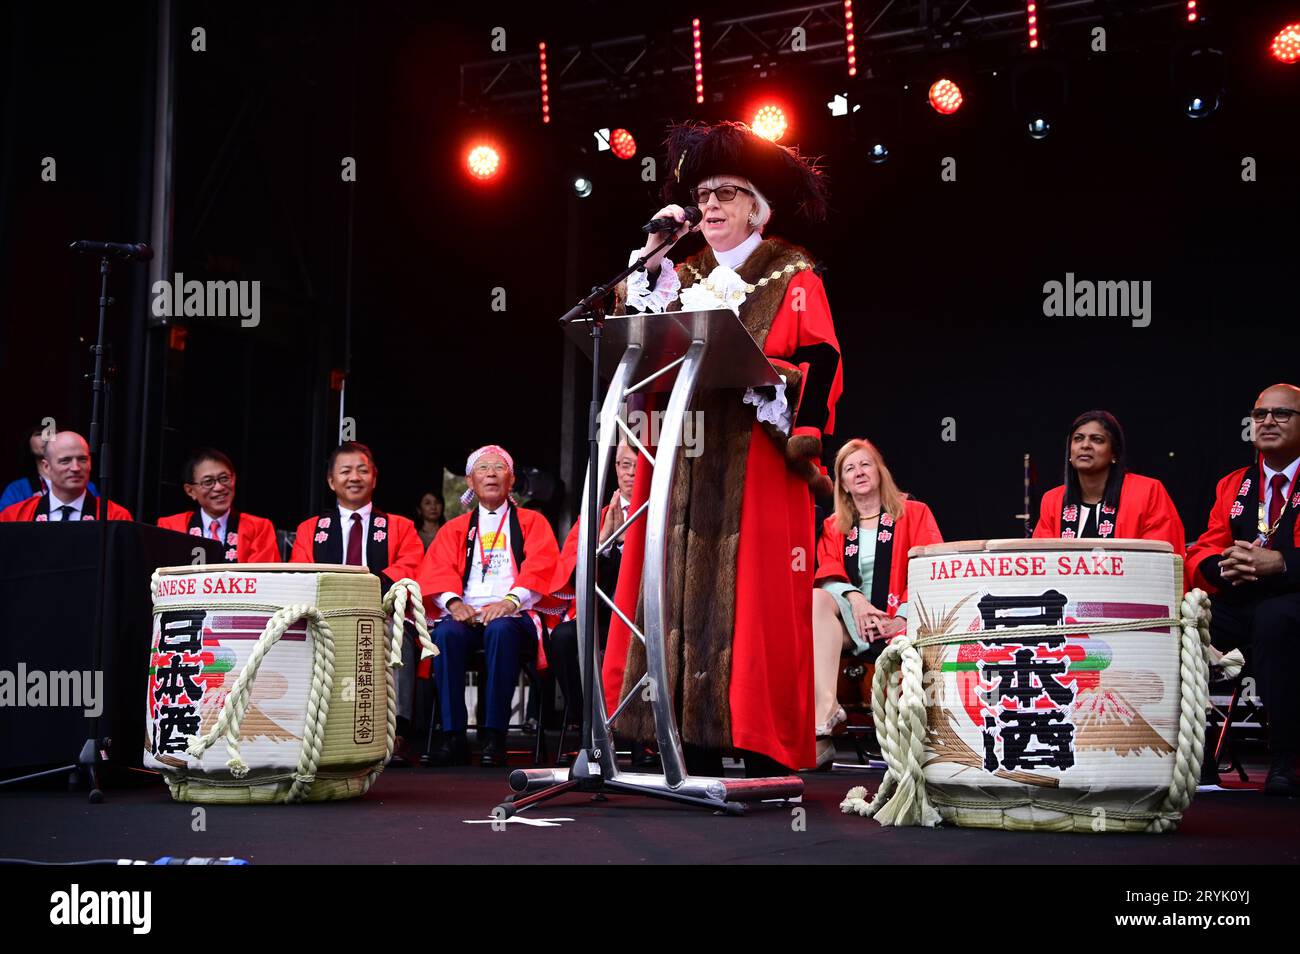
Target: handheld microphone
{"type": "Point", "coordinates": [669, 224]}
{"type": "Point", "coordinates": [131, 252]}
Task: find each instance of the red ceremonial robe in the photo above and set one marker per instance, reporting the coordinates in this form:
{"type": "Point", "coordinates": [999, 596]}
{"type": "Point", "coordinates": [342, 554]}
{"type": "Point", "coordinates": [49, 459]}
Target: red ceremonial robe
{"type": "Point", "coordinates": [1146, 512]}
{"type": "Point", "coordinates": [770, 694]}
{"type": "Point", "coordinates": [563, 591]}
{"type": "Point", "coordinates": [249, 539]}
{"type": "Point", "coordinates": [37, 509]}
{"type": "Point", "coordinates": [1233, 517]}
{"type": "Point", "coordinates": [393, 549]}
{"type": "Point", "coordinates": [915, 528]}
{"type": "Point", "coordinates": [445, 566]}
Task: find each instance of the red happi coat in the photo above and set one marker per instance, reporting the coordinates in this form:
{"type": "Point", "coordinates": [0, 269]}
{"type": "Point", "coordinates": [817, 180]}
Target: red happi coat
{"type": "Point", "coordinates": [1146, 512]}
{"type": "Point", "coordinates": [770, 690]}
{"type": "Point", "coordinates": [915, 528]}
{"type": "Point", "coordinates": [1233, 517]}
{"type": "Point", "coordinates": [445, 565]}
{"type": "Point", "coordinates": [563, 591]}
{"type": "Point", "coordinates": [249, 539]}
{"type": "Point", "coordinates": [533, 554]}
{"type": "Point", "coordinates": [37, 509]}
{"type": "Point", "coordinates": [393, 548]}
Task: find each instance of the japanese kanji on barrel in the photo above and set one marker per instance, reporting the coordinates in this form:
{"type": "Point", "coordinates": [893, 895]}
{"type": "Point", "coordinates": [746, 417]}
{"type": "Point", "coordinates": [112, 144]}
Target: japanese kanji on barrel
{"type": "Point", "coordinates": [1043, 684]}
{"type": "Point", "coordinates": [288, 665]}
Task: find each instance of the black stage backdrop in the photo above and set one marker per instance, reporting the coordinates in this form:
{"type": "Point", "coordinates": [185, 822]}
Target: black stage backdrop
{"type": "Point", "coordinates": [936, 286]}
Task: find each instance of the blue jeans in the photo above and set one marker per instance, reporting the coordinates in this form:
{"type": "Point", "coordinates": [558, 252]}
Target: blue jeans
{"type": "Point", "coordinates": [504, 642]}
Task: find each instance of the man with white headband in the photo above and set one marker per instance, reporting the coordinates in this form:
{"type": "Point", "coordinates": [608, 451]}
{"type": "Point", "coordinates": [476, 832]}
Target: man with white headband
{"type": "Point", "coordinates": [482, 575]}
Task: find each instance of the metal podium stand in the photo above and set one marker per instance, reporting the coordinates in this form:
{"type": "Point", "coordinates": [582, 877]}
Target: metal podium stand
{"type": "Point", "coordinates": [706, 349]}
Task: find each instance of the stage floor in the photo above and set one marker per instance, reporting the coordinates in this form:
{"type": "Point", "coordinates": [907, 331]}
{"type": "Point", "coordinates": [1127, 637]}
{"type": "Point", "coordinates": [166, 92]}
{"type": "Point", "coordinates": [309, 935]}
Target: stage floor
{"type": "Point", "coordinates": [422, 816]}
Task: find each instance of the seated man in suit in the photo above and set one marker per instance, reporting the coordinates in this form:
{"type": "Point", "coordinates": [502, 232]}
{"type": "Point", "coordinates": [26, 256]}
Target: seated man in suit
{"type": "Point", "coordinates": [482, 574]}
{"type": "Point", "coordinates": [209, 479]}
{"type": "Point", "coordinates": [354, 532]}
{"type": "Point", "coordinates": [1249, 560]}
{"type": "Point", "coordinates": [65, 468]}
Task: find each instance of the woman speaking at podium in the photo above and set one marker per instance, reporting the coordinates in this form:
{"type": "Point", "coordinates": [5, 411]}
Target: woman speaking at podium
{"type": "Point", "coordinates": [738, 633]}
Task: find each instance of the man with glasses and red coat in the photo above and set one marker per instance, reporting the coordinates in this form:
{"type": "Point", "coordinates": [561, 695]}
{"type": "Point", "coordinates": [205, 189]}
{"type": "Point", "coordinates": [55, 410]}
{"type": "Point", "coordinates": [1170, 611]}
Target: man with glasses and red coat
{"type": "Point", "coordinates": [209, 480]}
{"type": "Point", "coordinates": [1248, 559]}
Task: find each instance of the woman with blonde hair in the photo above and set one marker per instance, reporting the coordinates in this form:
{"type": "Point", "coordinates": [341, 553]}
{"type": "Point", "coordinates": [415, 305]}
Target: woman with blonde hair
{"type": "Point", "coordinates": [860, 600]}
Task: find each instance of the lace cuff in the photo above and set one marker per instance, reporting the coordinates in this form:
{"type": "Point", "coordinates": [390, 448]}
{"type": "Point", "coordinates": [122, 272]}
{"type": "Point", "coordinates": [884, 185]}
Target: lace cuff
{"type": "Point", "coordinates": [775, 411]}
{"type": "Point", "coordinates": [641, 297]}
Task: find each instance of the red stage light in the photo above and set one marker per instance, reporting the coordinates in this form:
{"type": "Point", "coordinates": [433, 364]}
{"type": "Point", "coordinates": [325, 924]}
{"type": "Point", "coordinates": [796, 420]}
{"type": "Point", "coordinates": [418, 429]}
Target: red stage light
{"type": "Point", "coordinates": [483, 162]}
{"type": "Point", "coordinates": [1286, 45]}
{"type": "Point", "coordinates": [1191, 11]}
{"type": "Point", "coordinates": [622, 144]}
{"type": "Point", "coordinates": [945, 96]}
{"type": "Point", "coordinates": [848, 37]}
{"type": "Point", "coordinates": [546, 98]}
{"type": "Point", "coordinates": [770, 122]}
{"type": "Point", "coordinates": [699, 61]}
{"type": "Point", "coordinates": [1031, 18]}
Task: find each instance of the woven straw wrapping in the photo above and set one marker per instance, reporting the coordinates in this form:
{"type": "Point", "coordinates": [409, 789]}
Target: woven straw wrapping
{"type": "Point", "coordinates": [350, 751]}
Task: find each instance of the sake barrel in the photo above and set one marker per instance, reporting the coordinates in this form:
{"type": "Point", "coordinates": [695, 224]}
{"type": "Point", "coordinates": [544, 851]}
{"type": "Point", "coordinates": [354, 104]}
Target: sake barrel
{"type": "Point", "coordinates": [312, 706]}
{"type": "Point", "coordinates": [1052, 679]}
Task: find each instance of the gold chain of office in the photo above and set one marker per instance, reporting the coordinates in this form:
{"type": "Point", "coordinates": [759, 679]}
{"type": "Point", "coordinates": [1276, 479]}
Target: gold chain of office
{"type": "Point", "coordinates": [799, 265]}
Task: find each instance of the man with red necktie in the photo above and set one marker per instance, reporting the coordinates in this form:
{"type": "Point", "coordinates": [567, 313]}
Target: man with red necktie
{"type": "Point", "coordinates": [354, 532]}
{"type": "Point", "coordinates": [209, 480]}
{"type": "Point", "coordinates": [1249, 560]}
{"type": "Point", "coordinates": [65, 468]}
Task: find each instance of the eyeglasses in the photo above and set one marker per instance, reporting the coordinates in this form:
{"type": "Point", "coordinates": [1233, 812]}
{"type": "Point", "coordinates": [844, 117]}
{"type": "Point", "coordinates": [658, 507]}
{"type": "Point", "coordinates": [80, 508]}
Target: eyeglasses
{"type": "Point", "coordinates": [626, 465]}
{"type": "Point", "coordinates": [724, 193]}
{"type": "Point", "coordinates": [1280, 414]}
{"type": "Point", "coordinates": [484, 469]}
{"type": "Point", "coordinates": [224, 479]}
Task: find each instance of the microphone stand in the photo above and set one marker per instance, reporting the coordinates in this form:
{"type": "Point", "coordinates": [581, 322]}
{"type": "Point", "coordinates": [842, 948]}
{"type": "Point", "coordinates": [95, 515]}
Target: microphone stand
{"type": "Point", "coordinates": [95, 749]}
{"type": "Point", "coordinates": [1028, 515]}
{"type": "Point", "coordinates": [592, 306]}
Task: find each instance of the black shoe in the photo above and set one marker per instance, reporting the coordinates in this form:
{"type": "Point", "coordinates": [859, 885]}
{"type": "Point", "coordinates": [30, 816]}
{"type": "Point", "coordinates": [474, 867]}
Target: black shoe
{"type": "Point", "coordinates": [401, 757]}
{"type": "Point", "coordinates": [454, 750]}
{"type": "Point", "coordinates": [1210, 771]}
{"type": "Point", "coordinates": [495, 754]}
{"type": "Point", "coordinates": [1281, 777]}
{"type": "Point", "coordinates": [645, 758]}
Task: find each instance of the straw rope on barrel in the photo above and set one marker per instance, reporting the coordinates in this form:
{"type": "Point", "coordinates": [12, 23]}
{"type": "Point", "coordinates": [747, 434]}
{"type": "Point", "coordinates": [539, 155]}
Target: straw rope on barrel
{"type": "Point", "coordinates": [324, 769]}
{"type": "Point", "coordinates": [910, 726]}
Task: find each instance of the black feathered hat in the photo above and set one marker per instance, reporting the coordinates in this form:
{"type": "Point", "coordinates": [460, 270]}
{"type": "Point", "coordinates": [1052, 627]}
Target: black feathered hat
{"type": "Point", "coordinates": [789, 181]}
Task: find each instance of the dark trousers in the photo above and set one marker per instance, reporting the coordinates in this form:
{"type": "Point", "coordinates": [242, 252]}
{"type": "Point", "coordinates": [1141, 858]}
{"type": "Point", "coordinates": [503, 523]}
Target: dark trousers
{"type": "Point", "coordinates": [504, 643]}
{"type": "Point", "coordinates": [1267, 631]}
{"type": "Point", "coordinates": [563, 647]}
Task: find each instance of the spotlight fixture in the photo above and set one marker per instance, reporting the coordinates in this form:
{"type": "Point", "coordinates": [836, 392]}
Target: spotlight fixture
{"type": "Point", "coordinates": [581, 187]}
{"type": "Point", "coordinates": [1198, 81]}
{"type": "Point", "coordinates": [878, 153]}
{"type": "Point", "coordinates": [1039, 128]}
{"type": "Point", "coordinates": [770, 122]}
{"type": "Point", "coordinates": [483, 162]}
{"type": "Point", "coordinates": [622, 143]}
{"type": "Point", "coordinates": [945, 97]}
{"type": "Point", "coordinates": [1286, 45]}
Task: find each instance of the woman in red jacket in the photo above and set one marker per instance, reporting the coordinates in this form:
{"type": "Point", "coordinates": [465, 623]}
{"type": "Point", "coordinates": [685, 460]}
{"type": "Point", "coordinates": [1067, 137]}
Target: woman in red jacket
{"type": "Point", "coordinates": [1100, 498]}
{"type": "Point", "coordinates": [860, 601]}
